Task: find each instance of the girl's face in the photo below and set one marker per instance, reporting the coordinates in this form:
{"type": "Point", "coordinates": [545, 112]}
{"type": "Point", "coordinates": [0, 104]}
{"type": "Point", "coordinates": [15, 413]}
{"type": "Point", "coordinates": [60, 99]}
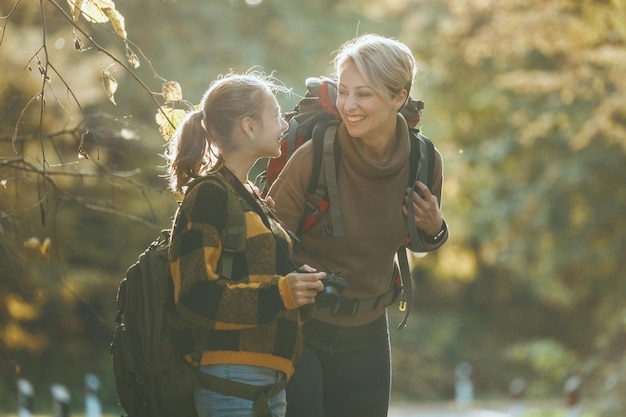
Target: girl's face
{"type": "Point", "coordinates": [365, 113]}
{"type": "Point", "coordinates": [271, 128]}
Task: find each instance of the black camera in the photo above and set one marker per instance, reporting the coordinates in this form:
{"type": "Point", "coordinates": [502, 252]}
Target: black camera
{"type": "Point", "coordinates": [333, 287]}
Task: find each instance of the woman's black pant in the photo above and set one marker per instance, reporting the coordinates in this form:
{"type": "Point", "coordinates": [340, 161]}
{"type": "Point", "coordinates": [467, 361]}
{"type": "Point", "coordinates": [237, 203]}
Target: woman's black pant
{"type": "Point", "coordinates": [344, 371]}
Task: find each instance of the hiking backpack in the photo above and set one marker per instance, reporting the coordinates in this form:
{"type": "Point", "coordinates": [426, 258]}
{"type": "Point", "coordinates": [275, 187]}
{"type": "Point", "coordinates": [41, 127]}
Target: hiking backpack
{"type": "Point", "coordinates": [316, 118]}
{"type": "Point", "coordinates": [151, 376]}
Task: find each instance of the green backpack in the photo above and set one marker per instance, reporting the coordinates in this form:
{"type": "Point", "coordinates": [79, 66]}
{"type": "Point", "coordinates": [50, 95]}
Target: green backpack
{"type": "Point", "coordinates": [151, 376]}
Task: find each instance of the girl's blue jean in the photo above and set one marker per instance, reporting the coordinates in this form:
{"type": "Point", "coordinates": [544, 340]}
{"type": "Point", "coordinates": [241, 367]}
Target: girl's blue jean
{"type": "Point", "coordinates": [344, 372]}
{"type": "Point", "coordinates": [213, 404]}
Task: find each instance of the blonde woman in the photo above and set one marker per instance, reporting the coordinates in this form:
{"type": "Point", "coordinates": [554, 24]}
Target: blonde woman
{"type": "Point", "coordinates": [346, 366]}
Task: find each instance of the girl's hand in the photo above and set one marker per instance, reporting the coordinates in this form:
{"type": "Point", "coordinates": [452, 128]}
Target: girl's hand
{"type": "Point", "coordinates": [305, 284]}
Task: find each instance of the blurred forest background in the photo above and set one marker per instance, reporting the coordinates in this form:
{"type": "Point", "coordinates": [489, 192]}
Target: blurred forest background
{"type": "Point", "coordinates": [526, 100]}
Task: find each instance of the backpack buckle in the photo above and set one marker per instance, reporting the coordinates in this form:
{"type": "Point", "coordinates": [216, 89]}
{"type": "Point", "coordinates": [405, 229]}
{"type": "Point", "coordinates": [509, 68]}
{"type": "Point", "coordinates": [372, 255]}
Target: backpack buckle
{"type": "Point", "coordinates": [325, 227]}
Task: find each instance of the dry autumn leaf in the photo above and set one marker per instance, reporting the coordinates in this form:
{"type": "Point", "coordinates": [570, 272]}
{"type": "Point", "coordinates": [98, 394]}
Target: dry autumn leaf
{"type": "Point", "coordinates": [133, 60]}
{"type": "Point", "coordinates": [99, 11]}
{"type": "Point", "coordinates": [175, 116]}
{"type": "Point", "coordinates": [117, 20]}
{"type": "Point", "coordinates": [110, 84]}
{"type": "Point", "coordinates": [172, 92]}
{"type": "Point", "coordinates": [32, 243]}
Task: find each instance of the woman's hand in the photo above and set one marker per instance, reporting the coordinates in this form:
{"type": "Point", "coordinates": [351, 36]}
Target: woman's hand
{"type": "Point", "coordinates": [305, 284]}
{"type": "Point", "coordinates": [425, 208]}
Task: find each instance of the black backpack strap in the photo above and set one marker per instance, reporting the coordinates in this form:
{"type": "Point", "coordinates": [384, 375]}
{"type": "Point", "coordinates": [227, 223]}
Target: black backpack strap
{"type": "Point", "coordinates": [422, 164]}
{"type": "Point", "coordinates": [235, 239]}
{"type": "Point", "coordinates": [430, 149]}
{"type": "Point", "coordinates": [406, 301]}
{"type": "Point", "coordinates": [421, 168]}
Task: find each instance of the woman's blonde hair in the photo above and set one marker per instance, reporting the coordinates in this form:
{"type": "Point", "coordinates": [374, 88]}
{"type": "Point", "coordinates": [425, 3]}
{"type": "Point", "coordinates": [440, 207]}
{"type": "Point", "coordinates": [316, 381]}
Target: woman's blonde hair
{"type": "Point", "coordinates": [386, 63]}
{"type": "Point", "coordinates": [195, 148]}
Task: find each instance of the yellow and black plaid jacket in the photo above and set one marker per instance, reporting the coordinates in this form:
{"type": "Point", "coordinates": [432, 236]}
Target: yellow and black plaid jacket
{"type": "Point", "coordinates": [252, 318]}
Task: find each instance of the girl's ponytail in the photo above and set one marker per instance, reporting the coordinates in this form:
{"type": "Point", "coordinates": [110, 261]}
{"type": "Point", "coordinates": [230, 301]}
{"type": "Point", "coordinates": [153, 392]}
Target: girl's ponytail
{"type": "Point", "coordinates": [188, 151]}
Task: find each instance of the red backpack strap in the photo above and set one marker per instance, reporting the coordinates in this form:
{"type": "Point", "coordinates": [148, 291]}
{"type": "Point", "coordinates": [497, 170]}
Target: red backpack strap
{"type": "Point", "coordinates": [323, 179]}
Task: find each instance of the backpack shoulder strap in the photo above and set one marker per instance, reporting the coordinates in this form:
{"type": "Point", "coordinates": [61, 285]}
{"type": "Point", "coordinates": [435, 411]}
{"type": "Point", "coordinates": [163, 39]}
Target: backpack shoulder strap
{"type": "Point", "coordinates": [430, 152]}
{"type": "Point", "coordinates": [235, 237]}
{"type": "Point", "coordinates": [323, 182]}
{"type": "Point", "coordinates": [422, 159]}
{"type": "Point", "coordinates": [234, 242]}
{"type": "Point", "coordinates": [330, 165]}
{"type": "Point", "coordinates": [421, 168]}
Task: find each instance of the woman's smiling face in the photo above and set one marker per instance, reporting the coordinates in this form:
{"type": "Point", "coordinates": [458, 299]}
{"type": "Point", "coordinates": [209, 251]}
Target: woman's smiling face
{"type": "Point", "coordinates": [365, 112]}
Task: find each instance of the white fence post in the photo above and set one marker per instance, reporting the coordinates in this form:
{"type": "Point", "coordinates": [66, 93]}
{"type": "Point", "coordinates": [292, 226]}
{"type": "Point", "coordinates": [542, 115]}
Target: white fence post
{"type": "Point", "coordinates": [517, 390]}
{"type": "Point", "coordinates": [571, 392]}
{"type": "Point", "coordinates": [25, 395]}
{"type": "Point", "coordinates": [61, 400]}
{"type": "Point", "coordinates": [93, 408]}
{"type": "Point", "coordinates": [464, 388]}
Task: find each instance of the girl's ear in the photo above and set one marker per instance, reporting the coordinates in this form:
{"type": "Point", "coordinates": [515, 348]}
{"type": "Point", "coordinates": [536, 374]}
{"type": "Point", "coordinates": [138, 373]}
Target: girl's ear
{"type": "Point", "coordinates": [248, 125]}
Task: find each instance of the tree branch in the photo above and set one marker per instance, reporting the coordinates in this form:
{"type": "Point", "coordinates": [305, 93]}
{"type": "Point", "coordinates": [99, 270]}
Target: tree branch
{"type": "Point", "coordinates": [113, 57]}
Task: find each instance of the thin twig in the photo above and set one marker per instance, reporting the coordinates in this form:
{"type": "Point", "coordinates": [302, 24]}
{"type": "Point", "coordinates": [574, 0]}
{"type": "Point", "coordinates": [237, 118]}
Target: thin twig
{"type": "Point", "coordinates": [113, 57]}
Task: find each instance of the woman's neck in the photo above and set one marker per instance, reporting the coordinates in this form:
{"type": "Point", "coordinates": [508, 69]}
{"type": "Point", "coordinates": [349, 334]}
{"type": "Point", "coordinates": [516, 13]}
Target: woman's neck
{"type": "Point", "coordinates": [379, 150]}
{"type": "Point", "coordinates": [379, 145]}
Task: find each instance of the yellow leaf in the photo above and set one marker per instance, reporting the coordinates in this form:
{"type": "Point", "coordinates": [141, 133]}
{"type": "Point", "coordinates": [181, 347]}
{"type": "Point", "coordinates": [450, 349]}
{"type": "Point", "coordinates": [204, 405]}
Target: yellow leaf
{"type": "Point", "coordinates": [117, 20]}
{"type": "Point", "coordinates": [133, 60]}
{"type": "Point", "coordinates": [90, 9]}
{"type": "Point", "coordinates": [31, 243]}
{"type": "Point", "coordinates": [44, 248]}
{"type": "Point", "coordinates": [176, 116]}
{"type": "Point", "coordinates": [75, 7]}
{"type": "Point", "coordinates": [18, 338]}
{"type": "Point", "coordinates": [110, 84]}
{"type": "Point", "coordinates": [19, 309]}
{"type": "Point", "coordinates": [99, 11]}
{"type": "Point", "coordinates": [172, 92]}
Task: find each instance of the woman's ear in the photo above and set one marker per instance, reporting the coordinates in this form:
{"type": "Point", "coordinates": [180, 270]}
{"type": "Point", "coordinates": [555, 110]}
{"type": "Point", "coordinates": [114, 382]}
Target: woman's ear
{"type": "Point", "coordinates": [248, 125]}
{"type": "Point", "coordinates": [400, 99]}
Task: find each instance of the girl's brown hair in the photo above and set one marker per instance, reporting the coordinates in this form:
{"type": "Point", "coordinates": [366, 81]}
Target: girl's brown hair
{"type": "Point", "coordinates": [194, 149]}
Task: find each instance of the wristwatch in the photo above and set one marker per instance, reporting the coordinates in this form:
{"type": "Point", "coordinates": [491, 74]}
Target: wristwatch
{"type": "Point", "coordinates": [441, 233]}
